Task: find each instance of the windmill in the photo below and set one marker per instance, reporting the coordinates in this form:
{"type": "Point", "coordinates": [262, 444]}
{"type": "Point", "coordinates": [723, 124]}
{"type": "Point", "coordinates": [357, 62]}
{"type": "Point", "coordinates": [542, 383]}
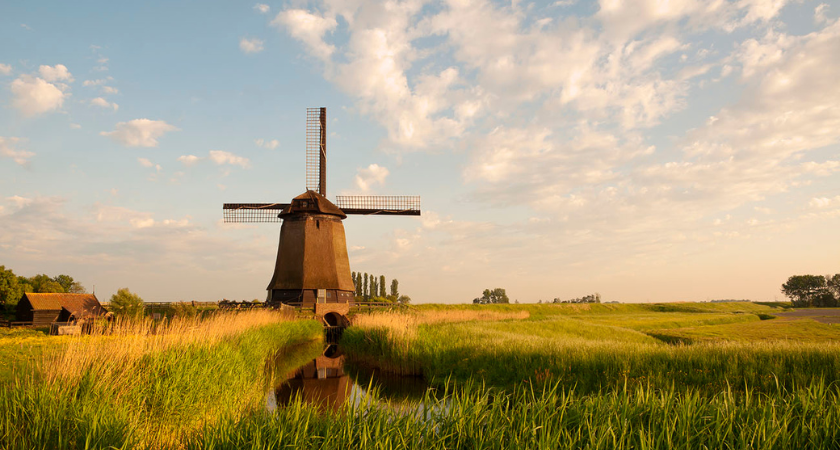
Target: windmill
{"type": "Point", "coordinates": [312, 265]}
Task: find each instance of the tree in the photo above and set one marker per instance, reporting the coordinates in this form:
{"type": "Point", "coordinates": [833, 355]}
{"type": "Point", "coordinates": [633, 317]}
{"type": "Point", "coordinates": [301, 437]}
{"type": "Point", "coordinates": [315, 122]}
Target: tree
{"type": "Point", "coordinates": [10, 289]}
{"type": "Point", "coordinates": [395, 288]}
{"type": "Point", "coordinates": [24, 284]}
{"type": "Point", "coordinates": [44, 284]}
{"type": "Point", "coordinates": [371, 287]}
{"type": "Point", "coordinates": [404, 299]}
{"type": "Point", "coordinates": [69, 284]}
{"type": "Point", "coordinates": [373, 290]}
{"type": "Point", "coordinates": [497, 295]}
{"type": "Point", "coordinates": [365, 291]}
{"type": "Point", "coordinates": [382, 292]}
{"type": "Point", "coordinates": [832, 283]}
{"type": "Point", "coordinates": [803, 290]}
{"type": "Point", "coordinates": [126, 304]}
{"type": "Point", "coordinates": [358, 282]}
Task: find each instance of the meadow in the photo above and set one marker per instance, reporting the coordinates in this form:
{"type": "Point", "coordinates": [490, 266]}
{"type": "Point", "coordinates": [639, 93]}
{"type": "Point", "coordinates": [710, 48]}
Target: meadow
{"type": "Point", "coordinates": [144, 384]}
{"type": "Point", "coordinates": [657, 376]}
{"type": "Point", "coordinates": [684, 376]}
{"type": "Point", "coordinates": [709, 347]}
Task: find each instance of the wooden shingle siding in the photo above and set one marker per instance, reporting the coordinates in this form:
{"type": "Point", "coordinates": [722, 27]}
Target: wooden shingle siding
{"type": "Point", "coordinates": [43, 309]}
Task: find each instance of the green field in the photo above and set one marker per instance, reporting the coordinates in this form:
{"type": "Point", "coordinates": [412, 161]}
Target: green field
{"type": "Point", "coordinates": [658, 376]}
{"type": "Point", "coordinates": [593, 348]}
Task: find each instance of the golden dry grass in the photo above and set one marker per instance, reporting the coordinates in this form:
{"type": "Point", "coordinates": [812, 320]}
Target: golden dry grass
{"type": "Point", "coordinates": [398, 320]}
{"type": "Point", "coordinates": [401, 328]}
{"type": "Point", "coordinates": [117, 349]}
{"type": "Point", "coordinates": [149, 383]}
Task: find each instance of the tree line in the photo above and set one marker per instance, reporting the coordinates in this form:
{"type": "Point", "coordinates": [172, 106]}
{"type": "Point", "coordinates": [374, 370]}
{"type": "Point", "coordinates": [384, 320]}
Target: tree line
{"type": "Point", "coordinates": [12, 287]}
{"type": "Point", "coordinates": [489, 296]}
{"type": "Point", "coordinates": [591, 298]}
{"type": "Point", "coordinates": [370, 288]}
{"type": "Point", "coordinates": [813, 290]}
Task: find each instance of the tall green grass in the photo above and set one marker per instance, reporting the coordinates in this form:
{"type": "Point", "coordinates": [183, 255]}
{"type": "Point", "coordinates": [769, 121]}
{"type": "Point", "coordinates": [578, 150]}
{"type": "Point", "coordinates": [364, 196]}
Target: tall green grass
{"type": "Point", "coordinates": [476, 417]}
{"type": "Point", "coordinates": [592, 352]}
{"type": "Point", "coordinates": [102, 393]}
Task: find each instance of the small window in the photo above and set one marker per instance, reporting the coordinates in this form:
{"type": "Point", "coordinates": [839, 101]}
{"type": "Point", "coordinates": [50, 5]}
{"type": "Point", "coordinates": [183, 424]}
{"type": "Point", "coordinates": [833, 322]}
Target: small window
{"type": "Point", "coordinates": [329, 294]}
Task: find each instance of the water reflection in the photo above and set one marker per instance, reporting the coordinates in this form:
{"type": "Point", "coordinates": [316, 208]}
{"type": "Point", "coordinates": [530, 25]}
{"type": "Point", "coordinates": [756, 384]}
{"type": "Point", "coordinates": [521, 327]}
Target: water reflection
{"type": "Point", "coordinates": [329, 382]}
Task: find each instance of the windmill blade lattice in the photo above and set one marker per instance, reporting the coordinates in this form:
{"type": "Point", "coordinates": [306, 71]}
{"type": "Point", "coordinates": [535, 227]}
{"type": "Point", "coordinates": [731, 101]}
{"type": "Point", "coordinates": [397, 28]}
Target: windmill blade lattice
{"type": "Point", "coordinates": [387, 205]}
{"type": "Point", "coordinates": [253, 212]}
{"type": "Point", "coordinates": [316, 150]}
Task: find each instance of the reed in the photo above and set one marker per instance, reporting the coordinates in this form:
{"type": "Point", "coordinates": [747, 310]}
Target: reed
{"type": "Point", "coordinates": [147, 385]}
{"type": "Point", "coordinates": [473, 416]}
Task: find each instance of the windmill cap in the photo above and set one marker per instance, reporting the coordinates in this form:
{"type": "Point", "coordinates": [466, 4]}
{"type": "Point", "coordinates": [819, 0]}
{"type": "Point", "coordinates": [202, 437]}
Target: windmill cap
{"type": "Point", "coordinates": [313, 203]}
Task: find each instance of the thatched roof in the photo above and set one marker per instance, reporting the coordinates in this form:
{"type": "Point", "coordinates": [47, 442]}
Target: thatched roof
{"type": "Point", "coordinates": [313, 203]}
{"type": "Point", "coordinates": [77, 304]}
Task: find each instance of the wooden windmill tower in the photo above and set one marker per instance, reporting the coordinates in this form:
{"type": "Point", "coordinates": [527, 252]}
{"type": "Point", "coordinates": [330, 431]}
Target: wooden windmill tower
{"type": "Point", "coordinates": [312, 265]}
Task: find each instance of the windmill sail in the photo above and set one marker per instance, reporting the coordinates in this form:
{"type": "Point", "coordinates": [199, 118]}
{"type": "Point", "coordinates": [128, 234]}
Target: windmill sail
{"type": "Point", "coordinates": [253, 212]}
{"type": "Point", "coordinates": [316, 150]}
{"type": "Point", "coordinates": [386, 205]}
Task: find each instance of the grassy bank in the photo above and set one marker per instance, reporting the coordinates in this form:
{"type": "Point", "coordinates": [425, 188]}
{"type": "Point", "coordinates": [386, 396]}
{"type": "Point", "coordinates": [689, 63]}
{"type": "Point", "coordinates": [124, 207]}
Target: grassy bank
{"type": "Point", "coordinates": [477, 417]}
{"type": "Point", "coordinates": [593, 348]}
{"type": "Point", "coordinates": [147, 385]}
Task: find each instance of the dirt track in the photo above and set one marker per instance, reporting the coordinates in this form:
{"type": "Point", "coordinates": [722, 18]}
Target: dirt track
{"type": "Point", "coordinates": [824, 315]}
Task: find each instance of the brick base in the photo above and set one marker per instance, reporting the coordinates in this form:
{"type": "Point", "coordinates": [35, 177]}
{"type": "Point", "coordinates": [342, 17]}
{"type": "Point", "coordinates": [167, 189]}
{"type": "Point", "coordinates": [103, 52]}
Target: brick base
{"type": "Point", "coordinates": [321, 309]}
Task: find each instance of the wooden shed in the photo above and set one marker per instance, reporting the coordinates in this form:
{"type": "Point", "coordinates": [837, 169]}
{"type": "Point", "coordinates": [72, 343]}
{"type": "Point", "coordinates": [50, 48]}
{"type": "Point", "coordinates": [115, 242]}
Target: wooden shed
{"type": "Point", "coordinates": [44, 309]}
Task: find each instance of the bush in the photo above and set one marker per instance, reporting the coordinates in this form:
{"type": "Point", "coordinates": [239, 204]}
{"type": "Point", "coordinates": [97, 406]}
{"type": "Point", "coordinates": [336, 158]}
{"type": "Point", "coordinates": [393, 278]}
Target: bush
{"type": "Point", "coordinates": [183, 309]}
{"type": "Point", "coordinates": [126, 304]}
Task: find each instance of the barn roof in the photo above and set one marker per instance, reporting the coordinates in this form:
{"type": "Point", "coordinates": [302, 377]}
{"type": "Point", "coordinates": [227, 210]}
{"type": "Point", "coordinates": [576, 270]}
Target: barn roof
{"type": "Point", "coordinates": [314, 203]}
{"type": "Point", "coordinates": [78, 304]}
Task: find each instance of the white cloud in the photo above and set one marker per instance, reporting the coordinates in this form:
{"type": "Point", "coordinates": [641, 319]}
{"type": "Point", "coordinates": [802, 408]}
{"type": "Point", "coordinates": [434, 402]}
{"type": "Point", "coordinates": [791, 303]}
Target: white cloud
{"type": "Point", "coordinates": [820, 16]}
{"type": "Point", "coordinates": [75, 126]}
{"type": "Point", "coordinates": [8, 150]}
{"type": "Point", "coordinates": [139, 132]}
{"type": "Point", "coordinates": [33, 96]}
{"type": "Point", "coordinates": [251, 45]}
{"type": "Point", "coordinates": [99, 101]}
{"type": "Point", "coordinates": [262, 8]}
{"type": "Point", "coordinates": [367, 177]}
{"type": "Point", "coordinates": [823, 202]}
{"type": "Point", "coordinates": [308, 28]}
{"type": "Point", "coordinates": [55, 73]}
{"type": "Point", "coordinates": [189, 160]}
{"type": "Point", "coordinates": [110, 90]}
{"type": "Point", "coordinates": [145, 162]}
{"type": "Point", "coordinates": [5, 69]}
{"type": "Point", "coordinates": [97, 82]}
{"type": "Point", "coordinates": [221, 157]}
{"type": "Point", "coordinates": [265, 143]}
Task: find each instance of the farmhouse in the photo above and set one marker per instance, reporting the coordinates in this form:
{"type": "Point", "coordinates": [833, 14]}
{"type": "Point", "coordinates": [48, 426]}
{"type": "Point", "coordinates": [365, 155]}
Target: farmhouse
{"type": "Point", "coordinates": [44, 309]}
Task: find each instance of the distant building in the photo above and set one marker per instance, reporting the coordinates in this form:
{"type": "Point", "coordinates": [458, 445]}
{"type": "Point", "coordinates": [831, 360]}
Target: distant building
{"type": "Point", "coordinates": [44, 309]}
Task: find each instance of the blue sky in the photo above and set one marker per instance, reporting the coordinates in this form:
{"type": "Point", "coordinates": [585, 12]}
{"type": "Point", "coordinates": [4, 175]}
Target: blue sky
{"type": "Point", "coordinates": [649, 150]}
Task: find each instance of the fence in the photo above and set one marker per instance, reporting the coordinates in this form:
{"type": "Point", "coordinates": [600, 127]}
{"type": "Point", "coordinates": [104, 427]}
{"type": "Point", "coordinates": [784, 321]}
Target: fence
{"type": "Point", "coordinates": [10, 323]}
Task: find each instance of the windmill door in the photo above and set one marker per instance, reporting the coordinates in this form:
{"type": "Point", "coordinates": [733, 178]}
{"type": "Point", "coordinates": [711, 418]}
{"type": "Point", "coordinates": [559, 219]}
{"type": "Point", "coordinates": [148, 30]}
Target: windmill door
{"type": "Point", "coordinates": [322, 296]}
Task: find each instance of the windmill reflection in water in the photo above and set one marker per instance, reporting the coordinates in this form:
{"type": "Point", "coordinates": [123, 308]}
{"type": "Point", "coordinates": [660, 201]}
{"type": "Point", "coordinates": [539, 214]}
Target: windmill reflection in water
{"type": "Point", "coordinates": [325, 383]}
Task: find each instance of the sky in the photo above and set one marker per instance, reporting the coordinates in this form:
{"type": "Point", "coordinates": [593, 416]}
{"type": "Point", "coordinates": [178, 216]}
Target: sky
{"type": "Point", "coordinates": [649, 150]}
